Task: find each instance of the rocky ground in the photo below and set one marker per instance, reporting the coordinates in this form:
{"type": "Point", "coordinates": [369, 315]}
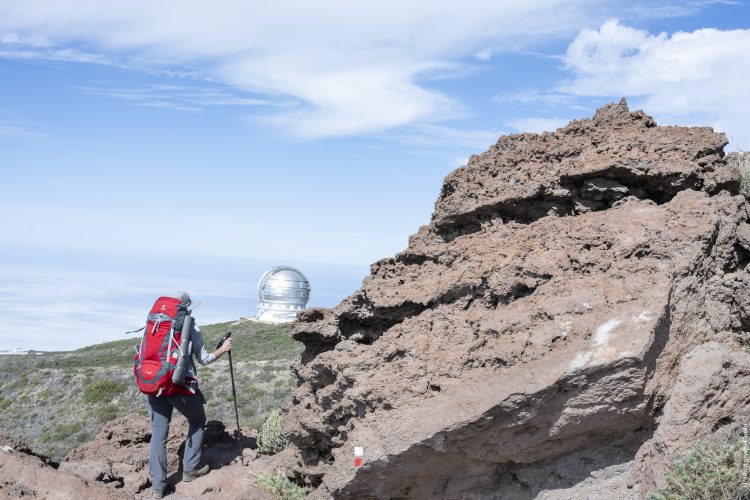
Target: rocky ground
{"type": "Point", "coordinates": [114, 465]}
{"type": "Point", "coordinates": [571, 320]}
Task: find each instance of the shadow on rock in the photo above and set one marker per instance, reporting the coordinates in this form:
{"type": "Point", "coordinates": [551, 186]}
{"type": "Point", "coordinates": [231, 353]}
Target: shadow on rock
{"type": "Point", "coordinates": [220, 448]}
{"type": "Point", "coordinates": [118, 456]}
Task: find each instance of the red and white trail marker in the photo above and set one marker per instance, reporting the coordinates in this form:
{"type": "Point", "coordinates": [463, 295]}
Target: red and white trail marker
{"type": "Point", "coordinates": [358, 454]}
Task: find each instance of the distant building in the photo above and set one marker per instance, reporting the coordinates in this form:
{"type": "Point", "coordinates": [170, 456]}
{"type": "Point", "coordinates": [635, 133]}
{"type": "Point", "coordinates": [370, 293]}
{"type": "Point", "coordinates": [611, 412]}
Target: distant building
{"type": "Point", "coordinates": [283, 291]}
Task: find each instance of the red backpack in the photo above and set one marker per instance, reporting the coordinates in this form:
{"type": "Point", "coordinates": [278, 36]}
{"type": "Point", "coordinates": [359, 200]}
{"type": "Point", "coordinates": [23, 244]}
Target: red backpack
{"type": "Point", "coordinates": [158, 354]}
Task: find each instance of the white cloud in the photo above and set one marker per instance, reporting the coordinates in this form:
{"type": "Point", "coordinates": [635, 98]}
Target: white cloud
{"type": "Point", "coordinates": [11, 38]}
{"type": "Point", "coordinates": [440, 136]}
{"type": "Point", "coordinates": [181, 98]}
{"type": "Point", "coordinates": [534, 97]}
{"type": "Point", "coordinates": [483, 55]}
{"type": "Point", "coordinates": [538, 125]}
{"type": "Point", "coordinates": [54, 54]}
{"type": "Point", "coordinates": [356, 66]}
{"type": "Point", "coordinates": [667, 9]}
{"type": "Point", "coordinates": [17, 131]}
{"type": "Point", "coordinates": [695, 78]}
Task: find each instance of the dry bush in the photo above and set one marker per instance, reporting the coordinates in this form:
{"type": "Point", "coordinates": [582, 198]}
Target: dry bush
{"type": "Point", "coordinates": [743, 162]}
{"type": "Point", "coordinates": [718, 469]}
{"type": "Point", "coordinates": [281, 487]}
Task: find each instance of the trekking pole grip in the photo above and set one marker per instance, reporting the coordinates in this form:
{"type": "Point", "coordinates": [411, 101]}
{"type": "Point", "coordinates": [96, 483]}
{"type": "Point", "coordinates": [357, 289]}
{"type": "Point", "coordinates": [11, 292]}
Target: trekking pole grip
{"type": "Point", "coordinates": [221, 342]}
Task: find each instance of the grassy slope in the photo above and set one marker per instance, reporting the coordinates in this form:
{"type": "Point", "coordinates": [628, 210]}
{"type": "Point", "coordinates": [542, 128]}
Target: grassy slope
{"type": "Point", "coordinates": [55, 401]}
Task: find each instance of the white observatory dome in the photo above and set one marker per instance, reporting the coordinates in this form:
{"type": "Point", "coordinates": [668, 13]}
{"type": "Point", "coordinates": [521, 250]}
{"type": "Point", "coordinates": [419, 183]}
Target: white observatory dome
{"type": "Point", "coordinates": [283, 291]}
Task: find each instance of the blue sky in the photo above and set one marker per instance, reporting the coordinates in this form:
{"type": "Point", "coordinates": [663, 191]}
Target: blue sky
{"type": "Point", "coordinates": [153, 146]}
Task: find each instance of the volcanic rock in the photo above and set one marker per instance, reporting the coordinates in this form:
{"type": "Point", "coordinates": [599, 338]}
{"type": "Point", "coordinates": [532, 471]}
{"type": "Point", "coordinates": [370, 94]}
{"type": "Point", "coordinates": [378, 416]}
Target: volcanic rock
{"type": "Point", "coordinates": [118, 455]}
{"type": "Point", "coordinates": [528, 342]}
{"type": "Point", "coordinates": [25, 474]}
{"type": "Point", "coordinates": [711, 395]}
{"type": "Point", "coordinates": [118, 458]}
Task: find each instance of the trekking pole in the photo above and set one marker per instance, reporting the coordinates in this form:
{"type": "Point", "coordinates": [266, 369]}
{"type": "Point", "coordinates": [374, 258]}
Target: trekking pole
{"type": "Point", "coordinates": [234, 392]}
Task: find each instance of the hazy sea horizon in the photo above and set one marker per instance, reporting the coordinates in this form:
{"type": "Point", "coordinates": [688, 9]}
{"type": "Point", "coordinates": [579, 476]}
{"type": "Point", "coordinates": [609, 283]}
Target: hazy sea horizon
{"type": "Point", "coordinates": [68, 305]}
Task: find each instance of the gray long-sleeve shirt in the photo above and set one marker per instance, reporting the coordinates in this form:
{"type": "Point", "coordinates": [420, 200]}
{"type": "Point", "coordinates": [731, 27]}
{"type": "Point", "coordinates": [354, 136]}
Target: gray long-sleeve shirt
{"type": "Point", "coordinates": [198, 351]}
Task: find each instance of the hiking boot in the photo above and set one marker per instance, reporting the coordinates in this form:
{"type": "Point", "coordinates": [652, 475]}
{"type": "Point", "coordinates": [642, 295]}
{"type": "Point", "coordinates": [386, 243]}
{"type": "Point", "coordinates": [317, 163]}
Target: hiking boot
{"type": "Point", "coordinates": [164, 492]}
{"type": "Point", "coordinates": [195, 473]}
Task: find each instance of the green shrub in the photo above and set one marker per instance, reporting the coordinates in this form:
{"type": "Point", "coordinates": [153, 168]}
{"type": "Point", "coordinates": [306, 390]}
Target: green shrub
{"type": "Point", "coordinates": [270, 437]}
{"type": "Point", "coordinates": [20, 383]}
{"type": "Point", "coordinates": [102, 391]}
{"type": "Point", "coordinates": [715, 470]}
{"type": "Point", "coordinates": [281, 487]}
{"type": "Point", "coordinates": [64, 431]}
{"type": "Point", "coordinates": [82, 437]}
{"type": "Point", "coordinates": [107, 413]}
{"type": "Point", "coordinates": [247, 411]}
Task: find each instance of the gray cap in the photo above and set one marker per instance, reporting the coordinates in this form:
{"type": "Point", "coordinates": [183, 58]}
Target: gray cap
{"type": "Point", "coordinates": [185, 299]}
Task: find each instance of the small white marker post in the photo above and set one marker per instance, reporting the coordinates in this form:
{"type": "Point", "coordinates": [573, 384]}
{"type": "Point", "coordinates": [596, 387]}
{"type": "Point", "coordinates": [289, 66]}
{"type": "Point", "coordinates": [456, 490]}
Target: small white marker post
{"type": "Point", "coordinates": [358, 454]}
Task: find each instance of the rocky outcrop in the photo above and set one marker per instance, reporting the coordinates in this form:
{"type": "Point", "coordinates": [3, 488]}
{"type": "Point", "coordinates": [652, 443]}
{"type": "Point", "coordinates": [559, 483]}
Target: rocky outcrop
{"type": "Point", "coordinates": [118, 456]}
{"type": "Point", "coordinates": [528, 341]}
{"type": "Point", "coordinates": [25, 474]}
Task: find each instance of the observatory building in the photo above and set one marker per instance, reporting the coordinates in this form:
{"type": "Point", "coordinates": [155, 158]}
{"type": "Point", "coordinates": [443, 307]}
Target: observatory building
{"type": "Point", "coordinates": [283, 291]}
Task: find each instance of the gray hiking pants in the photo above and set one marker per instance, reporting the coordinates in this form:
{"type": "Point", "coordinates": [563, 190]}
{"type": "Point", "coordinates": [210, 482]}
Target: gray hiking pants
{"type": "Point", "coordinates": [160, 412]}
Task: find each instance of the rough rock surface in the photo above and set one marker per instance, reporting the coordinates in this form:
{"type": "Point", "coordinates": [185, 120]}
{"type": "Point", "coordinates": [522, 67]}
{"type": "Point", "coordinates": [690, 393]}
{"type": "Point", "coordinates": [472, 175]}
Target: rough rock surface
{"type": "Point", "coordinates": [118, 456]}
{"type": "Point", "coordinates": [527, 343]}
{"type": "Point", "coordinates": [22, 474]}
{"type": "Point", "coordinates": [711, 394]}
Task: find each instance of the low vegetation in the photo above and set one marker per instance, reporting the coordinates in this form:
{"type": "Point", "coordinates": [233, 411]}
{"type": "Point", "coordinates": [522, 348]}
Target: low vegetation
{"type": "Point", "coordinates": [271, 439]}
{"type": "Point", "coordinates": [102, 391]}
{"type": "Point", "coordinates": [57, 400]}
{"type": "Point", "coordinates": [717, 470]}
{"type": "Point", "coordinates": [281, 487]}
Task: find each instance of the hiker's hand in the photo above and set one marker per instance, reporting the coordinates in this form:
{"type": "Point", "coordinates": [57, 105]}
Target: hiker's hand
{"type": "Point", "coordinates": [227, 345]}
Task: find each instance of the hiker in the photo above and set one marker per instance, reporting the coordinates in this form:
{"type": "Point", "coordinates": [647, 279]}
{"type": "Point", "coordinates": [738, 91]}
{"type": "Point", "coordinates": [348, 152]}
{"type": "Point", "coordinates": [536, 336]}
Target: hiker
{"type": "Point", "coordinates": [187, 399]}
